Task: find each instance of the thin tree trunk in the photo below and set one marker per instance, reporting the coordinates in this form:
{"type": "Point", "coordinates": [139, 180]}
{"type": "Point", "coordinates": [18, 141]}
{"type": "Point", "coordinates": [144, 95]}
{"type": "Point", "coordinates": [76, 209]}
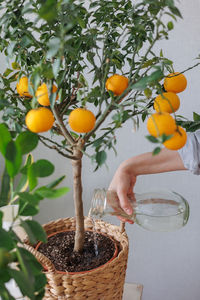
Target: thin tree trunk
{"type": "Point", "coordinates": [77, 186]}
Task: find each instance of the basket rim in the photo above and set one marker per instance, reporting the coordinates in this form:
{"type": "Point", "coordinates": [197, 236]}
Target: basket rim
{"type": "Point", "coordinates": [81, 272]}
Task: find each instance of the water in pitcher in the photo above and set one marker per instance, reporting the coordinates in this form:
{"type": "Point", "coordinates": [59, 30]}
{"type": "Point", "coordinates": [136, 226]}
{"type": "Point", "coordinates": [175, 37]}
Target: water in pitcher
{"type": "Point", "coordinates": [155, 211]}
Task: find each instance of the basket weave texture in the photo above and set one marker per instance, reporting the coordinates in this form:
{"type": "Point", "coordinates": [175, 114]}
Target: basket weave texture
{"type": "Point", "coordinates": [103, 283]}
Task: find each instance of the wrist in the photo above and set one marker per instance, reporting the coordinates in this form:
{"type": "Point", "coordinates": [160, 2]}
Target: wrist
{"type": "Point", "coordinates": [129, 167]}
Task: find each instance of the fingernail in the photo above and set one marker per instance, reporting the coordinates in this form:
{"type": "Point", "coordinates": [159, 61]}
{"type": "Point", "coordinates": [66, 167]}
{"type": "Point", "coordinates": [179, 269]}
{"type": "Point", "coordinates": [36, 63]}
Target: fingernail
{"type": "Point", "coordinates": [128, 211]}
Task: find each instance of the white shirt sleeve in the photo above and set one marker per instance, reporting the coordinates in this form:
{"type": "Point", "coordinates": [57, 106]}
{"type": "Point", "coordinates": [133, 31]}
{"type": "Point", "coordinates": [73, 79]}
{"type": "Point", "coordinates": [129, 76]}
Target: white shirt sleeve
{"type": "Point", "coordinates": [190, 153]}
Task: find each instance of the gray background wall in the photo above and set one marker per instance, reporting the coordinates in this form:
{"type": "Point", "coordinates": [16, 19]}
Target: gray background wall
{"type": "Point", "coordinates": [167, 264]}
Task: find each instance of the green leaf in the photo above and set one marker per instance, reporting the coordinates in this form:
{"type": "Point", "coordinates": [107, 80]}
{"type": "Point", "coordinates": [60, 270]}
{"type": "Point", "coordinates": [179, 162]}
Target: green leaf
{"type": "Point", "coordinates": [10, 48]}
{"type": "Point", "coordinates": [35, 78]}
{"type": "Point", "coordinates": [5, 189]}
{"type": "Point", "coordinates": [40, 282]}
{"type": "Point", "coordinates": [30, 198]}
{"type": "Point", "coordinates": [54, 46]}
{"type": "Point", "coordinates": [156, 151]}
{"type": "Point", "coordinates": [3, 103]}
{"type": "Point", "coordinates": [81, 22]}
{"type": "Point", "coordinates": [148, 93]}
{"type": "Point", "coordinates": [143, 82]}
{"type": "Point", "coordinates": [5, 138]}
{"type": "Point", "coordinates": [30, 261]}
{"type": "Point", "coordinates": [11, 151]}
{"type": "Point", "coordinates": [52, 99]}
{"type": "Point", "coordinates": [13, 158]}
{"type": "Point", "coordinates": [6, 240]}
{"type": "Point", "coordinates": [32, 177]}
{"type": "Point", "coordinates": [43, 168]}
{"type": "Point", "coordinates": [23, 181]}
{"type": "Point", "coordinates": [15, 66]}
{"type": "Point", "coordinates": [170, 25]}
{"type": "Point", "coordinates": [56, 67]}
{"type": "Point", "coordinates": [23, 282]}
{"type": "Point", "coordinates": [56, 182]}
{"type": "Point", "coordinates": [7, 72]}
{"type": "Point", "coordinates": [196, 117]}
{"type": "Point", "coordinates": [144, 115]}
{"type": "Point", "coordinates": [25, 209]}
{"type": "Point", "coordinates": [28, 204]}
{"type": "Point", "coordinates": [152, 139]}
{"type": "Point", "coordinates": [1, 218]}
{"type": "Point", "coordinates": [27, 141]}
{"type": "Point", "coordinates": [35, 231]}
{"type": "Point", "coordinates": [45, 192]}
{"type": "Point", "coordinates": [101, 157]}
{"type": "Point", "coordinates": [48, 10]}
{"type": "Point", "coordinates": [165, 137]}
{"type": "Point", "coordinates": [175, 11]}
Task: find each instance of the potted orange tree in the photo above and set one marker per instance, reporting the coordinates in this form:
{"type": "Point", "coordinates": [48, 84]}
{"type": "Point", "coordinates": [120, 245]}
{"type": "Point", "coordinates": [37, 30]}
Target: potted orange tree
{"type": "Point", "coordinates": [81, 69]}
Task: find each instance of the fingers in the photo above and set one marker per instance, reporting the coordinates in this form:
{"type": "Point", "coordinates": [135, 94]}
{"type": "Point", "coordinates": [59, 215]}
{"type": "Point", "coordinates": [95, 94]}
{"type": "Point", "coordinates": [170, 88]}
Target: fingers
{"type": "Point", "coordinates": [124, 202]}
{"type": "Point", "coordinates": [125, 220]}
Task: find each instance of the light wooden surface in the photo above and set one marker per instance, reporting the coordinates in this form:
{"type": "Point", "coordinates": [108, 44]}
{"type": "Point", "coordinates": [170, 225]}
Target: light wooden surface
{"type": "Point", "coordinates": [132, 291]}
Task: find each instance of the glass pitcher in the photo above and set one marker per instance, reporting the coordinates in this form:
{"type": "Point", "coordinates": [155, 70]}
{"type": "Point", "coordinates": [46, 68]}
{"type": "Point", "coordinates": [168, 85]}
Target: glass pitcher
{"type": "Point", "coordinates": [155, 210]}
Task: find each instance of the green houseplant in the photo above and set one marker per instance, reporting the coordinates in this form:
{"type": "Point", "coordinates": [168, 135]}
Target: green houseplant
{"type": "Point", "coordinates": [15, 261]}
{"type": "Point", "coordinates": [61, 44]}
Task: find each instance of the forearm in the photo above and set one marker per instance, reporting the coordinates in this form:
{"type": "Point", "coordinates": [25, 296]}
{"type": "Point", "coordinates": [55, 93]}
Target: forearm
{"type": "Point", "coordinates": [147, 163]}
{"type": "Point", "coordinates": [125, 177]}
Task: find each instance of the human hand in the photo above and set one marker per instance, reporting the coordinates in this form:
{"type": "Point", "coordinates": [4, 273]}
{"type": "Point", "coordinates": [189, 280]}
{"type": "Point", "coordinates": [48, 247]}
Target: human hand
{"type": "Point", "coordinates": [123, 183]}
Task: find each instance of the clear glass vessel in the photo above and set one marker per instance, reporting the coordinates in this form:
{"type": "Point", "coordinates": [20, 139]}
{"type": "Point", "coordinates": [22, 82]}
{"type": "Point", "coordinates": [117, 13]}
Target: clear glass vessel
{"type": "Point", "coordinates": [155, 210]}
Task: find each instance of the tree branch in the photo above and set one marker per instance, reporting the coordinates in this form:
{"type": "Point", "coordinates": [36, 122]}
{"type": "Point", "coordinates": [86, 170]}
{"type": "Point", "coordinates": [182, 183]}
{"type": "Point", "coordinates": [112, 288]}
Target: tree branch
{"type": "Point", "coordinates": [64, 130]}
{"type": "Point", "coordinates": [58, 150]}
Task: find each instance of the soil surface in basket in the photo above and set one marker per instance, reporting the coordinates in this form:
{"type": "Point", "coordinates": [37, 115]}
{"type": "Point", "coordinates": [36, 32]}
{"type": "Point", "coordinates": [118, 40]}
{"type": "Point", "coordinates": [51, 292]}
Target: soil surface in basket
{"type": "Point", "coordinates": [59, 249]}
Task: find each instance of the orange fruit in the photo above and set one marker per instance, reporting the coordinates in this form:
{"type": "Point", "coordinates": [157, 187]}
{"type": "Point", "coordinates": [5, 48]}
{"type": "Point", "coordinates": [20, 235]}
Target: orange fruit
{"type": "Point", "coordinates": [43, 95]}
{"type": "Point", "coordinates": [81, 120]}
{"type": "Point", "coordinates": [167, 102]}
{"type": "Point", "coordinates": [117, 84]}
{"type": "Point", "coordinates": [22, 87]}
{"type": "Point", "coordinates": [175, 82]}
{"type": "Point", "coordinates": [39, 120]}
{"type": "Point", "coordinates": [161, 123]}
{"type": "Point", "coordinates": [178, 140]}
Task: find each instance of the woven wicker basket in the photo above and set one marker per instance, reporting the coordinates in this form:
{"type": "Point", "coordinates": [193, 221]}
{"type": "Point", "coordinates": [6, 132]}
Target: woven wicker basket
{"type": "Point", "coordinates": [103, 283]}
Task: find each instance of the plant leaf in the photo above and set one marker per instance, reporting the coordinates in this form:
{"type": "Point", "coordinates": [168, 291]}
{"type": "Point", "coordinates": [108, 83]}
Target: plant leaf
{"type": "Point", "coordinates": [34, 231]}
{"type": "Point", "coordinates": [152, 139]}
{"type": "Point", "coordinates": [101, 157]}
{"type": "Point", "coordinates": [55, 182]}
{"type": "Point", "coordinates": [51, 193]}
{"type": "Point", "coordinates": [5, 188]}
{"type": "Point", "coordinates": [13, 158]}
{"type": "Point", "coordinates": [196, 117]}
{"type": "Point", "coordinates": [43, 168]}
{"type": "Point", "coordinates": [23, 282]}
{"type": "Point", "coordinates": [6, 240]}
{"type": "Point", "coordinates": [156, 150]}
{"type": "Point", "coordinates": [5, 138]}
{"type": "Point", "coordinates": [27, 141]}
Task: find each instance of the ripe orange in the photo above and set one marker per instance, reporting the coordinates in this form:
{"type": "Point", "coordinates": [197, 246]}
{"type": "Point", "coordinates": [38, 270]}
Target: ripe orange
{"type": "Point", "coordinates": [175, 82]}
{"type": "Point", "coordinates": [81, 120]}
{"type": "Point", "coordinates": [161, 123]}
{"type": "Point", "coordinates": [39, 120]}
{"type": "Point", "coordinates": [178, 139]}
{"type": "Point", "coordinates": [167, 102]}
{"type": "Point", "coordinates": [43, 95]}
{"type": "Point", "coordinates": [117, 84]}
{"type": "Point", "coordinates": [22, 87]}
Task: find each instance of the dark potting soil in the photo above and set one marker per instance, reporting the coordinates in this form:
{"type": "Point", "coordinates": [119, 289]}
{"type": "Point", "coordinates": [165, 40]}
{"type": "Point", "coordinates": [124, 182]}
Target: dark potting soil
{"type": "Point", "coordinates": [59, 249]}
